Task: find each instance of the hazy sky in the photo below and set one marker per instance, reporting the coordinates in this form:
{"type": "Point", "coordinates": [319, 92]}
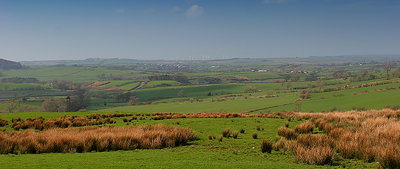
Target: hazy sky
{"type": "Point", "coordinates": [184, 29]}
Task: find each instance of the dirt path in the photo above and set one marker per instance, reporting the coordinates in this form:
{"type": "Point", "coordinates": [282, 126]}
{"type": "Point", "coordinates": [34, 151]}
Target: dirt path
{"type": "Point", "coordinates": [140, 85]}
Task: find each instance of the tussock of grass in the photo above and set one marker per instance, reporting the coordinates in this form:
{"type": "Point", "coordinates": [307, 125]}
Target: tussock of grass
{"type": "Point", "coordinates": [288, 133]}
{"type": "Point", "coordinates": [235, 134]}
{"type": "Point", "coordinates": [304, 128]}
{"type": "Point", "coordinates": [254, 135]}
{"type": "Point", "coordinates": [226, 133]}
{"type": "Point", "coordinates": [3, 123]}
{"type": "Point", "coordinates": [266, 146]}
{"type": "Point", "coordinates": [94, 139]}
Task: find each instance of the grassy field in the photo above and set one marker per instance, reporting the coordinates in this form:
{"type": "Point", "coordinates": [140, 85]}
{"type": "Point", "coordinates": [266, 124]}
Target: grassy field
{"type": "Point", "coordinates": [156, 83]}
{"type": "Point", "coordinates": [207, 106]}
{"type": "Point", "coordinates": [189, 91]}
{"type": "Point", "coordinates": [77, 74]}
{"type": "Point", "coordinates": [348, 99]}
{"type": "Point", "coordinates": [243, 152]}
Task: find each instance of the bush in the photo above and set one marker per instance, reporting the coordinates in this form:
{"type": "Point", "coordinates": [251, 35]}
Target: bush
{"type": "Point", "coordinates": [242, 131]}
{"type": "Point", "coordinates": [266, 146]}
{"type": "Point", "coordinates": [255, 135]}
{"type": "Point", "coordinates": [226, 133]}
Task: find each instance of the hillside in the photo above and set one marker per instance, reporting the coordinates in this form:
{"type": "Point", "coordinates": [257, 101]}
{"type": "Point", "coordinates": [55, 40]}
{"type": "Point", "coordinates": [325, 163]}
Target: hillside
{"type": "Point", "coordinates": [6, 64]}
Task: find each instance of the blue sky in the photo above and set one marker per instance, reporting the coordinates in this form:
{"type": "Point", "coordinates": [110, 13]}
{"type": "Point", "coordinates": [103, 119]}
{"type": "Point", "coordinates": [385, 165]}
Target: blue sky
{"type": "Point", "coordinates": [199, 29]}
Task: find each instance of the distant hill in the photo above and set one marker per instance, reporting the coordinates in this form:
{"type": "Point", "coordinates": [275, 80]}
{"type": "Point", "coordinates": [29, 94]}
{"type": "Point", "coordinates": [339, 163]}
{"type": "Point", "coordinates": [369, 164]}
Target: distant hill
{"type": "Point", "coordinates": [6, 64]}
{"type": "Point", "coordinates": [311, 60]}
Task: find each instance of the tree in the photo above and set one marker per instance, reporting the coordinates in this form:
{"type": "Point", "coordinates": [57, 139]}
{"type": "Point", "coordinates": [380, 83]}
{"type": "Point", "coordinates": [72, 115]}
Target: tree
{"type": "Point", "coordinates": [396, 73]}
{"type": "Point", "coordinates": [320, 84]}
{"type": "Point", "coordinates": [388, 67]}
{"type": "Point", "coordinates": [180, 93]}
{"type": "Point", "coordinates": [312, 77]}
{"type": "Point", "coordinates": [132, 100]}
{"type": "Point", "coordinates": [338, 74]}
{"type": "Point", "coordinates": [12, 106]}
{"type": "Point", "coordinates": [58, 105]}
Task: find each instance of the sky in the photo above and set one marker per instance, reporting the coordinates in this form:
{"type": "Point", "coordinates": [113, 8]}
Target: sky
{"type": "Point", "coordinates": [196, 29]}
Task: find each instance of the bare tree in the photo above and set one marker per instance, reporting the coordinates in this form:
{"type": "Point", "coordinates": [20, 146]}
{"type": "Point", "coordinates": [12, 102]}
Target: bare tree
{"type": "Point", "coordinates": [388, 67]}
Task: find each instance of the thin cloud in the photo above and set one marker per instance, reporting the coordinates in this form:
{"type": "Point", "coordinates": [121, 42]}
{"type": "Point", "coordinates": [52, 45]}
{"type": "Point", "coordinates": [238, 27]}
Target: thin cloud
{"type": "Point", "coordinates": [176, 9]}
{"type": "Point", "coordinates": [276, 1]}
{"type": "Point", "coordinates": [149, 11]}
{"type": "Point", "coordinates": [119, 11]}
{"type": "Point", "coordinates": [194, 11]}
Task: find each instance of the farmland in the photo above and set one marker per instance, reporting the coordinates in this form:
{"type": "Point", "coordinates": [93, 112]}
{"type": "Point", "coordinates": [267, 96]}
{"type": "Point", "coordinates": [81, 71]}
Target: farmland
{"type": "Point", "coordinates": [251, 105]}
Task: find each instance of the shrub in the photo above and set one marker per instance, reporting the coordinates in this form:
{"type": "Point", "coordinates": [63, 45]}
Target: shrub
{"type": "Point", "coordinates": [258, 128]}
{"type": "Point", "coordinates": [288, 133]}
{"type": "Point", "coordinates": [235, 134]}
{"type": "Point", "coordinates": [255, 135]}
{"type": "Point", "coordinates": [242, 130]}
{"type": "Point", "coordinates": [226, 133]}
{"type": "Point", "coordinates": [266, 146]}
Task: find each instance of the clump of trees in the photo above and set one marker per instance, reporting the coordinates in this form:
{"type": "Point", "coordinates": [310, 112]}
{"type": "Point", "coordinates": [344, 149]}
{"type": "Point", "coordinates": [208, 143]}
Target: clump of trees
{"type": "Point", "coordinates": [72, 103]}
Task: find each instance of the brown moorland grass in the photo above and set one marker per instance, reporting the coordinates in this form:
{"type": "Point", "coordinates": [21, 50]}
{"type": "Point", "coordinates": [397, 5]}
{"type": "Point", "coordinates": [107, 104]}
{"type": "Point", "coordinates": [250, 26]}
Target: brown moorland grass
{"type": "Point", "coordinates": [94, 139]}
{"type": "Point", "coordinates": [226, 132]}
{"type": "Point", "coordinates": [3, 122]}
{"type": "Point", "coordinates": [288, 133]}
{"type": "Point", "coordinates": [266, 146]}
{"type": "Point", "coordinates": [372, 135]}
{"type": "Point", "coordinates": [304, 128]}
{"type": "Point", "coordinates": [235, 134]}
{"type": "Point", "coordinates": [254, 135]}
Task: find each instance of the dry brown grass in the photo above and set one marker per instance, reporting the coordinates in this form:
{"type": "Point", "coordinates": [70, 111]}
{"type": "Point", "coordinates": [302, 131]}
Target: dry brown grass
{"type": "Point", "coordinates": [254, 135]}
{"type": "Point", "coordinates": [288, 133]}
{"type": "Point", "coordinates": [220, 137]}
{"type": "Point", "coordinates": [3, 122]}
{"type": "Point", "coordinates": [235, 134]}
{"type": "Point", "coordinates": [372, 135]}
{"type": "Point", "coordinates": [304, 128]}
{"type": "Point", "coordinates": [94, 139]}
{"type": "Point", "coordinates": [266, 146]}
{"type": "Point", "coordinates": [319, 155]}
{"type": "Point", "coordinates": [226, 132]}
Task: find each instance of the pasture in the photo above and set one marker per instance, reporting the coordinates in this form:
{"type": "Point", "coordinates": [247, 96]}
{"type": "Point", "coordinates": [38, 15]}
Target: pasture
{"type": "Point", "coordinates": [242, 152]}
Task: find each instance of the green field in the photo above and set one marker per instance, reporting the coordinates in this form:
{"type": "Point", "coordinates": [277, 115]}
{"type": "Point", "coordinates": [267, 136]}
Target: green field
{"type": "Point", "coordinates": [78, 74]}
{"type": "Point", "coordinates": [243, 152]}
{"type": "Point", "coordinates": [189, 91]}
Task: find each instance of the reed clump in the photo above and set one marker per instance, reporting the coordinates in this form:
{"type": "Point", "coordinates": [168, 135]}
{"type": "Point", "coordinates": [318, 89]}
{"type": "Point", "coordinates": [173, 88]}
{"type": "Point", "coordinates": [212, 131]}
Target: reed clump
{"type": "Point", "coordinates": [89, 139]}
